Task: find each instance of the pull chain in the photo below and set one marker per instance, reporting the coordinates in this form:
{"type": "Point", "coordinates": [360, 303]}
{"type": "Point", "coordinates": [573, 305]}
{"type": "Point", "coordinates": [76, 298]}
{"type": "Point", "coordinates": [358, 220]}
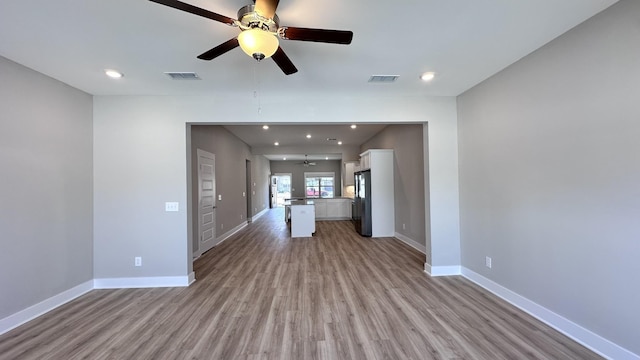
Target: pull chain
{"type": "Point", "coordinates": [256, 92]}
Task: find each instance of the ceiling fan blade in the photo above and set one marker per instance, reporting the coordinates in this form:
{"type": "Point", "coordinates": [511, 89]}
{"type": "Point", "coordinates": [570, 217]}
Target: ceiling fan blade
{"type": "Point", "coordinates": [266, 8]}
{"type": "Point", "coordinates": [317, 35]}
{"type": "Point", "coordinates": [219, 50]}
{"type": "Point", "coordinates": [283, 62]}
{"type": "Point", "coordinates": [196, 10]}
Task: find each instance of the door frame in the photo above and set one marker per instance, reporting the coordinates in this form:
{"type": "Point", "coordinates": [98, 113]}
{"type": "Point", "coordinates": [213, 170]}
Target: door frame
{"type": "Point", "coordinates": [276, 175]}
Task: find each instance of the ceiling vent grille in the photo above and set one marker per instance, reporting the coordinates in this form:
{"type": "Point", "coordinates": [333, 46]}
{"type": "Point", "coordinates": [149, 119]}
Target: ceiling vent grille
{"type": "Point", "coordinates": [383, 78]}
{"type": "Point", "coordinates": [183, 75]}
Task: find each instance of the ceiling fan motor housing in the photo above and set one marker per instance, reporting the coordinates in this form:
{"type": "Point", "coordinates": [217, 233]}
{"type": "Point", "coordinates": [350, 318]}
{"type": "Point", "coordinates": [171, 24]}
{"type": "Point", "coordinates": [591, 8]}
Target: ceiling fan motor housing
{"type": "Point", "coordinates": [250, 19]}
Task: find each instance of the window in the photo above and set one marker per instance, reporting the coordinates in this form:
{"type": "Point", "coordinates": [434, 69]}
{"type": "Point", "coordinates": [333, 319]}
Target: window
{"type": "Point", "coordinates": [319, 184]}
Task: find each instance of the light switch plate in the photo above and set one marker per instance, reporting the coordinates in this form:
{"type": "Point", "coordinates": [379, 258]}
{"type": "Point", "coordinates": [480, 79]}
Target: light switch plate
{"type": "Point", "coordinates": [171, 206]}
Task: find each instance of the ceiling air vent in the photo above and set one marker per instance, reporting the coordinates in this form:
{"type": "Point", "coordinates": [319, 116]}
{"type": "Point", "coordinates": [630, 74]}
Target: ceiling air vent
{"type": "Point", "coordinates": [383, 78]}
{"type": "Point", "coordinates": [183, 75]}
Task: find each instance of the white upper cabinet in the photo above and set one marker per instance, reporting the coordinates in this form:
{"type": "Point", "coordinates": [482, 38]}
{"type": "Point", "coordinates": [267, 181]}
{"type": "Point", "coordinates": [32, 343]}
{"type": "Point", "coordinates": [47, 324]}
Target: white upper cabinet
{"type": "Point", "coordinates": [350, 167]}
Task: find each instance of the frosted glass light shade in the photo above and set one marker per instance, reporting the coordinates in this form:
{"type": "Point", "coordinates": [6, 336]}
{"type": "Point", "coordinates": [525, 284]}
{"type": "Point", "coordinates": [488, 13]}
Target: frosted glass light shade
{"type": "Point", "coordinates": [258, 43]}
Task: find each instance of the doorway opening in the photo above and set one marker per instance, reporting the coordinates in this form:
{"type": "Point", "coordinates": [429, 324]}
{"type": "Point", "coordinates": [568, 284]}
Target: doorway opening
{"type": "Point", "coordinates": [280, 189]}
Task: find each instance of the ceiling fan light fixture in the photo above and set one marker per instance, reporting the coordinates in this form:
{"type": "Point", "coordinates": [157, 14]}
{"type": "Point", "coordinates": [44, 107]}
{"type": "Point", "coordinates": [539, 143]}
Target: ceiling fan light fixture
{"type": "Point", "coordinates": [258, 43]}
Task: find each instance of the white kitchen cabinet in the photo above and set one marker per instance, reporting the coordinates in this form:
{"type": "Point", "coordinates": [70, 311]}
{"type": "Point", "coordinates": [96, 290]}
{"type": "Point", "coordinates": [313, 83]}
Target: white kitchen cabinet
{"type": "Point", "coordinates": [321, 208]}
{"type": "Point", "coordinates": [350, 168]}
{"type": "Point", "coordinates": [333, 209]}
{"type": "Point", "coordinates": [365, 161]}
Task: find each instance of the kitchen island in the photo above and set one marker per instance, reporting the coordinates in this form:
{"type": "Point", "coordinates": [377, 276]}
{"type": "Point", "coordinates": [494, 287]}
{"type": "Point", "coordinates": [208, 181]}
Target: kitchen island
{"type": "Point", "coordinates": [302, 215]}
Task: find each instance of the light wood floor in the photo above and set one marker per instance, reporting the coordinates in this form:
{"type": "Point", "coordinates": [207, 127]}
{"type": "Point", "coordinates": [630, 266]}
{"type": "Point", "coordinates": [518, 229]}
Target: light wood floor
{"type": "Point", "coordinates": [263, 295]}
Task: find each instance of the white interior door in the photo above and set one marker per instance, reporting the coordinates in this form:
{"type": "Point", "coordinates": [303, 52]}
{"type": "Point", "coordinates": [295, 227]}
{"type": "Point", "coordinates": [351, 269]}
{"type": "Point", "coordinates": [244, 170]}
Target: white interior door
{"type": "Point", "coordinates": [206, 201]}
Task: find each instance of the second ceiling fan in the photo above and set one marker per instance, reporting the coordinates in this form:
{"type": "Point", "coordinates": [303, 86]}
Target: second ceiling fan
{"type": "Point", "coordinates": [261, 29]}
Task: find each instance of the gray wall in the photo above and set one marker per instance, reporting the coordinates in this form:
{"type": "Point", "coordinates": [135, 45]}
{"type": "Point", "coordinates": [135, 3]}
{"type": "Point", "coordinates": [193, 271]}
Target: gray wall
{"type": "Point", "coordinates": [140, 162]}
{"type": "Point", "coordinates": [550, 176]}
{"type": "Point", "coordinates": [45, 188]}
{"type": "Point", "coordinates": [231, 155]}
{"type": "Point", "coordinates": [409, 179]}
{"type": "Point", "coordinates": [260, 172]}
{"type": "Point", "coordinates": [297, 173]}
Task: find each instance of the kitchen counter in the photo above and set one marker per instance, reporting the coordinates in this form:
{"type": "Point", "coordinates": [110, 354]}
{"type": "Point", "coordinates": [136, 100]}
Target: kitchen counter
{"type": "Point", "coordinates": [336, 208]}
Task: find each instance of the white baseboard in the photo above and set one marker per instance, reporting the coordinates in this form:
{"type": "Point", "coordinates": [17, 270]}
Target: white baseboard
{"type": "Point", "coordinates": [191, 278]}
{"type": "Point", "coordinates": [142, 282]}
{"type": "Point", "coordinates": [414, 244]}
{"type": "Point", "coordinates": [231, 232]}
{"type": "Point", "coordinates": [576, 332]}
{"type": "Point", "coordinates": [256, 216]}
{"type": "Point", "coordinates": [32, 312]}
{"type": "Point", "coordinates": [435, 271]}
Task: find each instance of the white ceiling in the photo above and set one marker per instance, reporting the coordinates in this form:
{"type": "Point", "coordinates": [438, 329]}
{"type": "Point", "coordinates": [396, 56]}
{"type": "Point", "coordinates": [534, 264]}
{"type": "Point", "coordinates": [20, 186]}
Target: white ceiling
{"type": "Point", "coordinates": [462, 41]}
{"type": "Point", "coordinates": [324, 137]}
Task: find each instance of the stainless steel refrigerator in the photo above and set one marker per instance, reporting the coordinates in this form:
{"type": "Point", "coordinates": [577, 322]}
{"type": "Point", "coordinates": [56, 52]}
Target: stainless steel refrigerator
{"type": "Point", "coordinates": [362, 217]}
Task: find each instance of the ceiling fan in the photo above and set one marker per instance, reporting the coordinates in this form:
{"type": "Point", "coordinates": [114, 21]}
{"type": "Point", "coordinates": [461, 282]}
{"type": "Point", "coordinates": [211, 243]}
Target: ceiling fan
{"type": "Point", "coordinates": [306, 162]}
{"type": "Point", "coordinates": [260, 30]}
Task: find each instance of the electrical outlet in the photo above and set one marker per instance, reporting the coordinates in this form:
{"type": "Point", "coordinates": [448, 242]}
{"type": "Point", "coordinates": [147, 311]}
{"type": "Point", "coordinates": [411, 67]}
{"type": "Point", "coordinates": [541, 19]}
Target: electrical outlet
{"type": "Point", "coordinates": [171, 206]}
{"type": "Point", "coordinates": [137, 261]}
{"type": "Point", "coordinates": [404, 226]}
{"type": "Point", "coordinates": [219, 197]}
{"type": "Point", "coordinates": [221, 226]}
{"type": "Point", "coordinates": [241, 216]}
{"type": "Point", "coordinates": [487, 262]}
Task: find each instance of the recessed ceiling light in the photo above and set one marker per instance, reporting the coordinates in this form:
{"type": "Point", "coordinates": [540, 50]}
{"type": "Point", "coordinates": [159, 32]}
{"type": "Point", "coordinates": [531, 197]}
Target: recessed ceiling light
{"type": "Point", "coordinates": [308, 136]}
{"type": "Point", "coordinates": [339, 142]}
{"type": "Point", "coordinates": [265, 127]}
{"type": "Point", "coordinates": [114, 74]}
{"type": "Point", "coordinates": [326, 158]}
{"type": "Point", "coordinates": [284, 158]}
{"type": "Point", "coordinates": [428, 76]}
{"type": "Point", "coordinates": [276, 143]}
{"type": "Point", "coordinates": [354, 126]}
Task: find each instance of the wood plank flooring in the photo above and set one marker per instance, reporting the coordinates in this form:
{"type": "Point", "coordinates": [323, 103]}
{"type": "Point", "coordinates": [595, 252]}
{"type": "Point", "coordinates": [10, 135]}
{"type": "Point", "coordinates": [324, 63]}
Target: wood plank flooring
{"type": "Point", "coordinates": [263, 295]}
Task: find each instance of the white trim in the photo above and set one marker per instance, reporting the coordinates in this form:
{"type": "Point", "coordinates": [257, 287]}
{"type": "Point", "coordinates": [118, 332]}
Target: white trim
{"type": "Point", "coordinates": [414, 244]}
{"type": "Point", "coordinates": [191, 278]}
{"type": "Point", "coordinates": [142, 282]}
{"type": "Point", "coordinates": [576, 332]}
{"type": "Point", "coordinates": [435, 271]}
{"type": "Point", "coordinates": [256, 216]}
{"type": "Point", "coordinates": [32, 312]}
{"type": "Point", "coordinates": [231, 232]}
